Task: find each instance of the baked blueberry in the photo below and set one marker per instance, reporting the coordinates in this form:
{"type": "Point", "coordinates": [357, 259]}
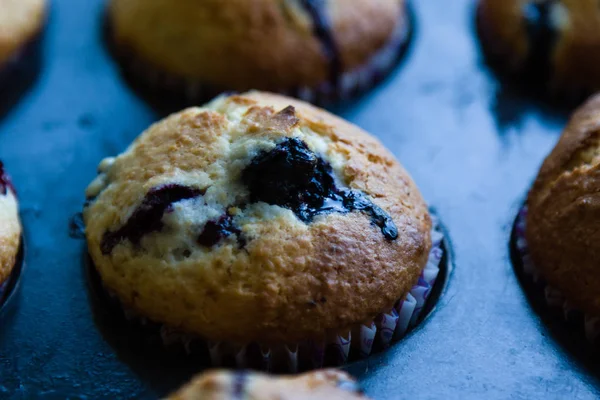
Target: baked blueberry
{"type": "Point", "coordinates": [5, 182]}
{"type": "Point", "coordinates": [215, 231]}
{"type": "Point", "coordinates": [294, 177]}
{"type": "Point", "coordinates": [147, 218]}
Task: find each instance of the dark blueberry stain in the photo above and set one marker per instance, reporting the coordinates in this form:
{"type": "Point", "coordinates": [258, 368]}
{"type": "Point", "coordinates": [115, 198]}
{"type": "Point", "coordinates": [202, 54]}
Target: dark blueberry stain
{"type": "Point", "coordinates": [290, 176]}
{"type": "Point", "coordinates": [542, 37]}
{"type": "Point", "coordinates": [323, 31]}
{"type": "Point", "coordinates": [215, 231]}
{"type": "Point", "coordinates": [5, 182]}
{"type": "Point", "coordinates": [147, 218]}
{"type": "Point", "coordinates": [294, 177]}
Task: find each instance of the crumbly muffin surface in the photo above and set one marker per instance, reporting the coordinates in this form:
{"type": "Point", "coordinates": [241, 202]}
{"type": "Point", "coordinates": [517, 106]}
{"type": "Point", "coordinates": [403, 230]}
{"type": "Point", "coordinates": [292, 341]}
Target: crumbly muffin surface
{"type": "Point", "coordinates": [257, 218]}
{"type": "Point", "coordinates": [224, 385]}
{"type": "Point", "coordinates": [556, 40]}
{"type": "Point", "coordinates": [247, 44]}
{"type": "Point", "coordinates": [20, 21]}
{"type": "Point", "coordinates": [10, 227]}
{"type": "Point", "coordinates": [564, 211]}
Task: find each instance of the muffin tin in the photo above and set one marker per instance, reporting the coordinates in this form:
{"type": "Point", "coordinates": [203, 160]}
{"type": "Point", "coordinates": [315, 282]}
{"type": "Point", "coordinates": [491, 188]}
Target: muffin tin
{"type": "Point", "coordinates": [472, 145]}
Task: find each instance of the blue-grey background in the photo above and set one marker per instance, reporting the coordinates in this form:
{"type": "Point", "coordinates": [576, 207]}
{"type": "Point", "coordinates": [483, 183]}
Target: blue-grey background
{"type": "Point", "coordinates": [472, 146]}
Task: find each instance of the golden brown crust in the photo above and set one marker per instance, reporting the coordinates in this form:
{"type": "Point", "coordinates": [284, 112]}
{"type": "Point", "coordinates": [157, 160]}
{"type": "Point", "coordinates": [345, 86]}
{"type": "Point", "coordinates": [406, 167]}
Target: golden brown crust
{"type": "Point", "coordinates": [292, 281]}
{"type": "Point", "coordinates": [20, 22]}
{"type": "Point", "coordinates": [246, 44]}
{"type": "Point", "coordinates": [223, 385]}
{"type": "Point", "coordinates": [575, 56]}
{"type": "Point", "coordinates": [500, 38]}
{"type": "Point", "coordinates": [10, 234]}
{"type": "Point", "coordinates": [564, 211]}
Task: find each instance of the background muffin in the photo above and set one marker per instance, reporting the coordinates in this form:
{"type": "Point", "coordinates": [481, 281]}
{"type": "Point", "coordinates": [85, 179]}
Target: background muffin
{"type": "Point", "coordinates": [20, 22]}
{"type": "Point", "coordinates": [311, 49]}
{"type": "Point", "coordinates": [223, 385]}
{"type": "Point", "coordinates": [556, 43]}
{"type": "Point", "coordinates": [257, 218]}
{"type": "Point", "coordinates": [564, 212]}
{"type": "Point", "coordinates": [10, 227]}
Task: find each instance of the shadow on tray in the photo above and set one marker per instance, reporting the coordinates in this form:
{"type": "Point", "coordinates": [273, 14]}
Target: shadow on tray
{"type": "Point", "coordinates": [20, 75]}
{"type": "Point", "coordinates": [139, 346]}
{"type": "Point", "coordinates": [567, 334]}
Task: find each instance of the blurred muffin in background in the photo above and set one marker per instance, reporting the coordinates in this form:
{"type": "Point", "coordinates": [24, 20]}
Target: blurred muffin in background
{"type": "Point", "coordinates": [224, 385]}
{"type": "Point", "coordinates": [21, 22]}
{"type": "Point", "coordinates": [319, 51]}
{"type": "Point", "coordinates": [554, 44]}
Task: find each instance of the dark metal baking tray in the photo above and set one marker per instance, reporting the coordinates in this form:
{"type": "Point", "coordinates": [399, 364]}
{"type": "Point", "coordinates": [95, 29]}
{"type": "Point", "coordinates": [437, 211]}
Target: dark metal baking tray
{"type": "Point", "coordinates": [472, 144]}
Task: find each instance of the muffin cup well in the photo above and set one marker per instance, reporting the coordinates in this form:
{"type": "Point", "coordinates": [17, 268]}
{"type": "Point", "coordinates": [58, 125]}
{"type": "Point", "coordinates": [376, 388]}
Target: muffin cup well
{"type": "Point", "coordinates": [333, 350]}
{"type": "Point", "coordinates": [163, 85]}
{"type": "Point", "coordinates": [553, 298]}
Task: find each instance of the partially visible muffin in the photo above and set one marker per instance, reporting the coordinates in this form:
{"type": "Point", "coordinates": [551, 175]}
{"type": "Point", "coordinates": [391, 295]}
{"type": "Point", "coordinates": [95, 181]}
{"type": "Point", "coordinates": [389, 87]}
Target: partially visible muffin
{"type": "Point", "coordinates": [257, 218]}
{"type": "Point", "coordinates": [20, 23]}
{"type": "Point", "coordinates": [553, 42]}
{"type": "Point", "coordinates": [313, 49]}
{"type": "Point", "coordinates": [224, 385]}
{"type": "Point", "coordinates": [10, 227]}
{"type": "Point", "coordinates": [563, 221]}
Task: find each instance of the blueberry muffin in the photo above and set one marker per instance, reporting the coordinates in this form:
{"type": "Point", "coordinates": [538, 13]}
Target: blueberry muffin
{"type": "Point", "coordinates": [314, 49]}
{"type": "Point", "coordinates": [20, 23]}
{"type": "Point", "coordinates": [224, 385]}
{"type": "Point", "coordinates": [10, 228]}
{"type": "Point", "coordinates": [257, 218]}
{"type": "Point", "coordinates": [564, 212]}
{"type": "Point", "coordinates": [552, 42]}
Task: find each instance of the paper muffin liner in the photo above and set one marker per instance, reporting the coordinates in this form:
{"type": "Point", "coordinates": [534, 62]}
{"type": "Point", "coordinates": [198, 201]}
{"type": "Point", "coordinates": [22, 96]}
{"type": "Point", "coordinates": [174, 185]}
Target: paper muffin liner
{"type": "Point", "coordinates": [553, 297]}
{"type": "Point", "coordinates": [333, 350]}
{"type": "Point", "coordinates": [351, 83]}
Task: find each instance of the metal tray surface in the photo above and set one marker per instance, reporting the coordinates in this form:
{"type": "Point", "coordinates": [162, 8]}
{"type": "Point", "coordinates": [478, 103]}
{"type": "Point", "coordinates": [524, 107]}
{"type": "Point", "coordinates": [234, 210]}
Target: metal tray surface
{"type": "Point", "coordinates": [472, 144]}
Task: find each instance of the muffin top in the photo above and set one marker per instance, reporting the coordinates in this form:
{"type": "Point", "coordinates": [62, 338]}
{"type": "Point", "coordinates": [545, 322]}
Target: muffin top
{"type": "Point", "coordinates": [10, 227]}
{"type": "Point", "coordinates": [246, 44]}
{"type": "Point", "coordinates": [560, 38]}
{"type": "Point", "coordinates": [564, 211]}
{"type": "Point", "coordinates": [257, 218]}
{"type": "Point", "coordinates": [20, 21]}
{"type": "Point", "coordinates": [223, 385]}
